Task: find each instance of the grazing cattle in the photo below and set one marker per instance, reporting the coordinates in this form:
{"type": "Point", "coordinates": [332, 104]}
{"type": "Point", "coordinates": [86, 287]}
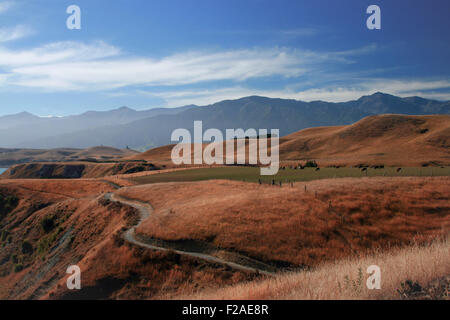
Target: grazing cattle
{"type": "Point", "coordinates": [399, 169]}
{"type": "Point", "coordinates": [364, 170]}
{"type": "Point", "coordinates": [317, 169]}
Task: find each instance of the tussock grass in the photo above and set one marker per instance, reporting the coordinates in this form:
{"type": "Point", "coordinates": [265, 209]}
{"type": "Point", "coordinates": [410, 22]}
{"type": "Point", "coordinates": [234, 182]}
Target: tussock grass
{"type": "Point", "coordinates": [342, 279]}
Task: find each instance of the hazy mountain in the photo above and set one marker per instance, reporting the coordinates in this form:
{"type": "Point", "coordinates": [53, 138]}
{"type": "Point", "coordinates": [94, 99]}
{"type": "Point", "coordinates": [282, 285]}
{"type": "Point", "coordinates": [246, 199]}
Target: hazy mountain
{"type": "Point", "coordinates": [21, 128]}
{"type": "Point", "coordinates": [17, 119]}
{"type": "Point", "coordinates": [249, 112]}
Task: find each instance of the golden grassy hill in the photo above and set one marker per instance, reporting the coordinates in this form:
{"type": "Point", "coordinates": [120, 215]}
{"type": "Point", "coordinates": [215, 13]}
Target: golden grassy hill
{"type": "Point", "coordinates": [385, 139]}
{"type": "Point", "coordinates": [393, 140]}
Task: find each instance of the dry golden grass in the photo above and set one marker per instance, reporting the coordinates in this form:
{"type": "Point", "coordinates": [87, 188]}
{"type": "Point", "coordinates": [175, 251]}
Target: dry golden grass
{"type": "Point", "coordinates": [56, 188]}
{"type": "Point", "coordinates": [87, 231]}
{"type": "Point", "coordinates": [328, 281]}
{"type": "Point", "coordinates": [392, 140]}
{"type": "Point", "coordinates": [333, 219]}
{"type": "Point", "coordinates": [115, 271]}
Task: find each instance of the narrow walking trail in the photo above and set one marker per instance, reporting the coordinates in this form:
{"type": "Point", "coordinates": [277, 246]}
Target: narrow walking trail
{"type": "Point", "coordinates": [145, 211]}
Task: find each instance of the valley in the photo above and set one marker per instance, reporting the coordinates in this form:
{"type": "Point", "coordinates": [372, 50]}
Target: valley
{"type": "Point", "coordinates": [141, 227]}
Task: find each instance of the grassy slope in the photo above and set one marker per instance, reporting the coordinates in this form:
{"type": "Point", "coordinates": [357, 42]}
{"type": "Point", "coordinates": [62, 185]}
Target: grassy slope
{"type": "Point", "coordinates": [87, 231]}
{"type": "Point", "coordinates": [332, 219]}
{"type": "Point", "coordinates": [422, 264]}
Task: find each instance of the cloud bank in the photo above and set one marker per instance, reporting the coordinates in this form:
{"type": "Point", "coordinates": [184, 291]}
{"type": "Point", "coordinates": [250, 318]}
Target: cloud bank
{"type": "Point", "coordinates": [101, 67]}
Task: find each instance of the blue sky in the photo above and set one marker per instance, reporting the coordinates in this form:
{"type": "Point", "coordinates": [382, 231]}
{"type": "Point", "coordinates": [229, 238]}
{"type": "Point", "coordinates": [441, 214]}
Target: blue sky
{"type": "Point", "coordinates": [149, 53]}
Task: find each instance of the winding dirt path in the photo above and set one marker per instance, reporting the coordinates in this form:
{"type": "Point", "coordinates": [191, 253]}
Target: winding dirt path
{"type": "Point", "coordinates": [145, 211]}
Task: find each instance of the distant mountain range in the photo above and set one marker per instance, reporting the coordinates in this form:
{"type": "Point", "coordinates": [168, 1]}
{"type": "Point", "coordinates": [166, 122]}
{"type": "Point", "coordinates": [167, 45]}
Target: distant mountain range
{"type": "Point", "coordinates": [146, 129]}
{"type": "Point", "coordinates": [27, 130]}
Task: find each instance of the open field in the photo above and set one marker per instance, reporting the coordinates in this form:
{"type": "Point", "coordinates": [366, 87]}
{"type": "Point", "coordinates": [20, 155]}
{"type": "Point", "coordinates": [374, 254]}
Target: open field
{"type": "Point", "coordinates": [346, 279]}
{"type": "Point", "coordinates": [252, 174]}
{"type": "Point", "coordinates": [297, 226]}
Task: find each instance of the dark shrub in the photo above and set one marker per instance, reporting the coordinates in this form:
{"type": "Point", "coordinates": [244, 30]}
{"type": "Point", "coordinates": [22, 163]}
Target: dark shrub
{"type": "Point", "coordinates": [27, 248]}
{"type": "Point", "coordinates": [48, 223]}
{"type": "Point", "coordinates": [7, 204]}
{"type": "Point", "coordinates": [18, 267]}
{"type": "Point", "coordinates": [4, 235]}
{"type": "Point", "coordinates": [311, 164]}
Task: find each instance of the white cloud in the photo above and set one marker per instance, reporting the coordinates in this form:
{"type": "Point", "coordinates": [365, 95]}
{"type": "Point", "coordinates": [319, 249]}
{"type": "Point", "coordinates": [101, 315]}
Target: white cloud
{"type": "Point", "coordinates": [99, 66]}
{"type": "Point", "coordinates": [178, 69]}
{"type": "Point", "coordinates": [54, 53]}
{"type": "Point", "coordinates": [65, 66]}
{"type": "Point", "coordinates": [14, 33]}
{"type": "Point", "coordinates": [5, 6]}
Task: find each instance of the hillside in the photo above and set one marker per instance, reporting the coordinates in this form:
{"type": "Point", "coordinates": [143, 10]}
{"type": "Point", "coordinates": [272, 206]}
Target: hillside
{"type": "Point", "coordinates": [74, 170]}
{"type": "Point", "coordinates": [54, 224]}
{"type": "Point", "coordinates": [393, 140]}
{"type": "Point", "coordinates": [290, 227]}
{"type": "Point", "coordinates": [250, 112]}
{"type": "Point", "coordinates": [10, 157]}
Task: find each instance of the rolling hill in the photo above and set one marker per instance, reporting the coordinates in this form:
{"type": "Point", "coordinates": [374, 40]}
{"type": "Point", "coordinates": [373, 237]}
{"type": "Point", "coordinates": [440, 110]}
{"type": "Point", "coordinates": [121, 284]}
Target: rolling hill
{"type": "Point", "coordinates": [10, 157]}
{"type": "Point", "coordinates": [384, 139]}
{"type": "Point", "coordinates": [394, 140]}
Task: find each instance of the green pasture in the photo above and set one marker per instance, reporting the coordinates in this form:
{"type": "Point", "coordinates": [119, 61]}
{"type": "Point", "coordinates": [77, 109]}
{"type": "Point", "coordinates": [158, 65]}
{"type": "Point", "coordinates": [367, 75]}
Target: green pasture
{"type": "Point", "coordinates": [252, 174]}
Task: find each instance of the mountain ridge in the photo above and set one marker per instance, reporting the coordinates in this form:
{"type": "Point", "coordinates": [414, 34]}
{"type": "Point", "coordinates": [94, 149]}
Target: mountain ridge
{"type": "Point", "coordinates": [288, 115]}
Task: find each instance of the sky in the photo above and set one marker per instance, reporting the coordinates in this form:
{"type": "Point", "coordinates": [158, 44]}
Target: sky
{"type": "Point", "coordinates": [168, 53]}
